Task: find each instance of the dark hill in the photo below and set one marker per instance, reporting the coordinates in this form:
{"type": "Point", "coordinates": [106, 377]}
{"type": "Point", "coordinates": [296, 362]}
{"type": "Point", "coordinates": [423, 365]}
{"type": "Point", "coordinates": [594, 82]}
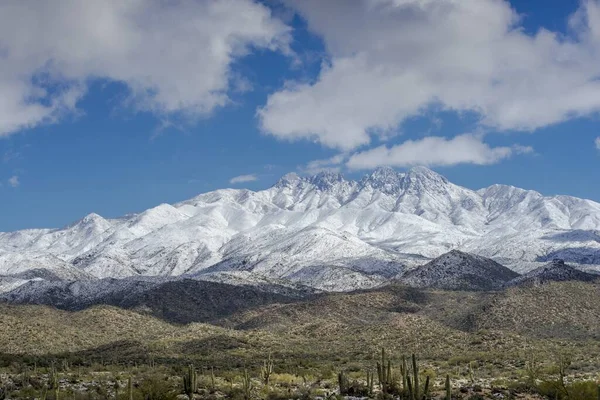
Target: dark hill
{"type": "Point", "coordinates": [457, 270]}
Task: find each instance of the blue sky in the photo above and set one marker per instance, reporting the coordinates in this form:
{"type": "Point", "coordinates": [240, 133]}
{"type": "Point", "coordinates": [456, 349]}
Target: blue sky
{"type": "Point", "coordinates": [119, 123]}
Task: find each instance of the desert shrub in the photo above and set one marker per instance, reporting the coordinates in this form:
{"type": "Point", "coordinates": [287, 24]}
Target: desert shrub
{"type": "Point", "coordinates": [285, 380]}
{"type": "Point", "coordinates": [583, 391]}
{"type": "Point", "coordinates": [156, 387]}
{"type": "Point", "coordinates": [554, 389]}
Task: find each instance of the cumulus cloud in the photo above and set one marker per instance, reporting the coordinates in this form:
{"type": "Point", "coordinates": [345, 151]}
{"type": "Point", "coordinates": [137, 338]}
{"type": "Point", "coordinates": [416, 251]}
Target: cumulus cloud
{"type": "Point", "coordinates": [434, 151]}
{"type": "Point", "coordinates": [332, 164]}
{"type": "Point", "coordinates": [174, 57]}
{"type": "Point", "coordinates": [243, 179]}
{"type": "Point", "coordinates": [597, 141]}
{"type": "Point", "coordinates": [393, 59]}
{"type": "Point", "coordinates": [14, 181]}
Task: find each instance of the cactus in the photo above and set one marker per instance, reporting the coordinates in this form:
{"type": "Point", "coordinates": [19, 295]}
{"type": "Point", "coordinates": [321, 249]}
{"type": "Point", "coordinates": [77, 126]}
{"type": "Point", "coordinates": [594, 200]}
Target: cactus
{"type": "Point", "coordinates": [130, 389]}
{"type": "Point", "coordinates": [471, 376]}
{"type": "Point", "coordinates": [404, 373]}
{"type": "Point", "coordinates": [117, 387]}
{"type": "Point", "coordinates": [212, 378]}
{"type": "Point", "coordinates": [343, 383]}
{"type": "Point", "coordinates": [53, 382]}
{"type": "Point", "coordinates": [190, 381]}
{"type": "Point", "coordinates": [384, 373]}
{"type": "Point", "coordinates": [410, 381]}
{"type": "Point", "coordinates": [370, 379]}
{"type": "Point", "coordinates": [247, 385]}
{"type": "Point", "coordinates": [416, 378]}
{"type": "Point", "coordinates": [411, 385]}
{"type": "Point", "coordinates": [26, 376]}
{"type": "Point", "coordinates": [266, 371]}
{"type": "Point", "coordinates": [449, 389]}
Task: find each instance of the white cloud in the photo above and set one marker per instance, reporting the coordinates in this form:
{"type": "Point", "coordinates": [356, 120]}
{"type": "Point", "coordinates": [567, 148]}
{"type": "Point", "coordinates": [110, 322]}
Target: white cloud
{"type": "Point", "coordinates": [10, 155]}
{"type": "Point", "coordinates": [332, 164]}
{"type": "Point", "coordinates": [597, 141]}
{"type": "Point", "coordinates": [243, 179]}
{"type": "Point", "coordinates": [173, 56]}
{"type": "Point", "coordinates": [393, 59]}
{"type": "Point", "coordinates": [434, 151]}
{"type": "Point", "coordinates": [14, 181]}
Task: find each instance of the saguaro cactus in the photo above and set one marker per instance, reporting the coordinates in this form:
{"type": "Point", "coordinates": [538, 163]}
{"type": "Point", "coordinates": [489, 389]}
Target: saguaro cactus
{"type": "Point", "coordinates": [247, 385]}
{"type": "Point", "coordinates": [130, 389]}
{"type": "Point", "coordinates": [53, 382]}
{"type": "Point", "coordinates": [370, 379]}
{"type": "Point", "coordinates": [190, 381]}
{"type": "Point", "coordinates": [384, 373]}
{"type": "Point", "coordinates": [343, 383]}
{"type": "Point", "coordinates": [266, 370]}
{"type": "Point", "coordinates": [416, 378]}
{"type": "Point", "coordinates": [212, 378]}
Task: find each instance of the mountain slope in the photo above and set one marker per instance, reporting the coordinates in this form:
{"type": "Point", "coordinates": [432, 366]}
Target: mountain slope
{"type": "Point", "coordinates": [505, 326]}
{"type": "Point", "coordinates": [177, 301]}
{"type": "Point", "coordinates": [323, 231]}
{"type": "Point", "coordinates": [456, 270]}
{"type": "Point", "coordinates": [558, 309]}
{"type": "Point", "coordinates": [556, 271]}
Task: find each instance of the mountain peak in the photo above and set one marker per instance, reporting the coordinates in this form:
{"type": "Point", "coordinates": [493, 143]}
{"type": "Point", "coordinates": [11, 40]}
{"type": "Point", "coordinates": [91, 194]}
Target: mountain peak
{"type": "Point", "coordinates": [326, 179]}
{"type": "Point", "coordinates": [392, 182]}
{"type": "Point", "coordinates": [91, 223]}
{"type": "Point", "coordinates": [384, 172]}
{"type": "Point", "coordinates": [420, 169]}
{"type": "Point", "coordinates": [425, 174]}
{"type": "Point", "coordinates": [288, 180]}
{"type": "Point", "coordinates": [555, 271]}
{"type": "Point", "coordinates": [385, 179]}
{"type": "Point", "coordinates": [90, 219]}
{"type": "Point", "coordinates": [457, 270]}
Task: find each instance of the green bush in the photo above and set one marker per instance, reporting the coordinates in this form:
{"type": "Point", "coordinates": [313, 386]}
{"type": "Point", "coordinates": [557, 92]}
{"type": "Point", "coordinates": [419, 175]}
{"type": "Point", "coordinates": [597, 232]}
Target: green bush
{"type": "Point", "coordinates": [574, 391]}
{"type": "Point", "coordinates": [157, 388]}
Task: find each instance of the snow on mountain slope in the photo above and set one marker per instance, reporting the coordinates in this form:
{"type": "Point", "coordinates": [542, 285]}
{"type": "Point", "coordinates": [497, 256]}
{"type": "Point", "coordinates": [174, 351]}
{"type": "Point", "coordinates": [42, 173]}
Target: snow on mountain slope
{"type": "Point", "coordinates": [323, 231]}
{"type": "Point", "coordinates": [15, 264]}
{"type": "Point", "coordinates": [76, 238]}
{"type": "Point", "coordinates": [77, 294]}
{"type": "Point", "coordinates": [8, 284]}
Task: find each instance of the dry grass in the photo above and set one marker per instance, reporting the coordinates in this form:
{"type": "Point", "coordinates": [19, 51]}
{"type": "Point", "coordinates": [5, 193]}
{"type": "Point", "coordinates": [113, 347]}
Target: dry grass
{"type": "Point", "coordinates": [500, 331]}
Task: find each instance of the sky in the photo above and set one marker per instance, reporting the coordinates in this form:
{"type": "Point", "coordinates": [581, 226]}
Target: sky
{"type": "Point", "coordinates": [114, 107]}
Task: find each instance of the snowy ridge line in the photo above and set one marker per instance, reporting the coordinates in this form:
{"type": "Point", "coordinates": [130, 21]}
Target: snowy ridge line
{"type": "Point", "coordinates": [322, 232]}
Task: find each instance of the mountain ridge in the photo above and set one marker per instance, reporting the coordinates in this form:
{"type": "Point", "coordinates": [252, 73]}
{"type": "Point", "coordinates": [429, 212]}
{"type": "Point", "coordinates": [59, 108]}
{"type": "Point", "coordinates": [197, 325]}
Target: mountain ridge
{"type": "Point", "coordinates": [555, 271]}
{"type": "Point", "coordinates": [322, 231]}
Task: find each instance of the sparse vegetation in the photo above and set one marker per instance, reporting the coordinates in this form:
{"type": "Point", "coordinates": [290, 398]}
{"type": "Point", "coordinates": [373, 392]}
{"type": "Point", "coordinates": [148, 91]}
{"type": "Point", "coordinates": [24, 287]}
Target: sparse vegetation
{"type": "Point", "coordinates": [466, 345]}
{"type": "Point", "coordinates": [164, 382]}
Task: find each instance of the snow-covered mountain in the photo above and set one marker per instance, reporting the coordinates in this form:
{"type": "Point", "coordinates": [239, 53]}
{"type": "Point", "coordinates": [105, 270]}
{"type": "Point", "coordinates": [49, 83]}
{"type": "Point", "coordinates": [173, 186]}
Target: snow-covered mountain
{"type": "Point", "coordinates": [321, 231]}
